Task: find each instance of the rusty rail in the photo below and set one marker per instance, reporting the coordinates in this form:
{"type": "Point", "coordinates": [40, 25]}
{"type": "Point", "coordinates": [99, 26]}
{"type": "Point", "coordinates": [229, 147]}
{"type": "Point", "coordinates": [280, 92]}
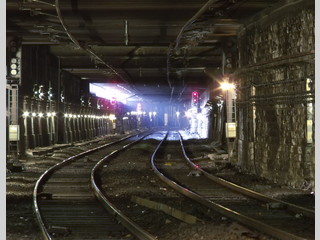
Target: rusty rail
{"type": "Point", "coordinates": [125, 221]}
{"type": "Point", "coordinates": [272, 231]}
{"type": "Point", "coordinates": [48, 173]}
{"type": "Point", "coordinates": [245, 191]}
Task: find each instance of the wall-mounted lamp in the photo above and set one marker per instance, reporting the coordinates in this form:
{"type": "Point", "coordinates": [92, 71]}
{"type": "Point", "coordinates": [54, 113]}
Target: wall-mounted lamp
{"type": "Point", "coordinates": [112, 117]}
{"type": "Point", "coordinates": [227, 86]}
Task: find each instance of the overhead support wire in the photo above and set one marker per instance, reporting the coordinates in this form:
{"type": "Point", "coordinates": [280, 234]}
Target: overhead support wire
{"type": "Point", "coordinates": [169, 53]}
{"type": "Point", "coordinates": [37, 12]}
{"type": "Point", "coordinates": [83, 46]}
{"type": "Point", "coordinates": [172, 90]}
{"type": "Point", "coordinates": [192, 20]}
{"type": "Point", "coordinates": [43, 2]}
{"type": "Point", "coordinates": [126, 32]}
{"type": "Point", "coordinates": [180, 94]}
{"type": "Point", "coordinates": [177, 42]}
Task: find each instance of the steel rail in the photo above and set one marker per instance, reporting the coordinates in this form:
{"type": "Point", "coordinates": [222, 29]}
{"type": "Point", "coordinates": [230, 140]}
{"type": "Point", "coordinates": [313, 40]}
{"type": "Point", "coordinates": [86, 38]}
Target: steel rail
{"type": "Point", "coordinates": [245, 191]}
{"type": "Point", "coordinates": [47, 174]}
{"type": "Point", "coordinates": [250, 222]}
{"type": "Point", "coordinates": [125, 221]}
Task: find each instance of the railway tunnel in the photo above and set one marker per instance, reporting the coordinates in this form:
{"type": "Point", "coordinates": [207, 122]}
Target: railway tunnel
{"type": "Point", "coordinates": [237, 76]}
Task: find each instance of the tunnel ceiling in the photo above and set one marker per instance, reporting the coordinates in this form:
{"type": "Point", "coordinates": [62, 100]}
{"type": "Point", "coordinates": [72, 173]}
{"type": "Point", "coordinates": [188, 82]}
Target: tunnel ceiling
{"type": "Point", "coordinates": [147, 44]}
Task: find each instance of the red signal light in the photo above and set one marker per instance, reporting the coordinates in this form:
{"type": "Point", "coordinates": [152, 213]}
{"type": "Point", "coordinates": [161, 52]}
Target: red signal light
{"type": "Point", "coordinates": [195, 97]}
{"type": "Point", "coordinates": [113, 101]}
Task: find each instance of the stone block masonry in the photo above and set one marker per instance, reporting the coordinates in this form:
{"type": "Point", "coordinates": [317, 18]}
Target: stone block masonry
{"type": "Point", "coordinates": [276, 95]}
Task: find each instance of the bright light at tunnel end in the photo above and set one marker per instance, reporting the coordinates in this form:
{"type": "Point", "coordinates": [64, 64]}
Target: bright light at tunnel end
{"type": "Point", "coordinates": [113, 92]}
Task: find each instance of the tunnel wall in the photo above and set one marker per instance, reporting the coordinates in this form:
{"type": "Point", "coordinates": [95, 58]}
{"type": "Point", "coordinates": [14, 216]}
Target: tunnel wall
{"type": "Point", "coordinates": [275, 105]}
{"type": "Point", "coordinates": [58, 120]}
{"type": "Point", "coordinates": [74, 123]}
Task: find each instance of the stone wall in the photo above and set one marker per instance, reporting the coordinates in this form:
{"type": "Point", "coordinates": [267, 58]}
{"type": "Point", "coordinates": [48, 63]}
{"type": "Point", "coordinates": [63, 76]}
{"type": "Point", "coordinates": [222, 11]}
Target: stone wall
{"type": "Point", "coordinates": [276, 95]}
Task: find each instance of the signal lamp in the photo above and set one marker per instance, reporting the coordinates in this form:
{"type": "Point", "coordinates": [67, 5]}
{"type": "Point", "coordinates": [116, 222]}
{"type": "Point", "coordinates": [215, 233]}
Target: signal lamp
{"type": "Point", "coordinates": [113, 101]}
{"type": "Point", "coordinates": [195, 96]}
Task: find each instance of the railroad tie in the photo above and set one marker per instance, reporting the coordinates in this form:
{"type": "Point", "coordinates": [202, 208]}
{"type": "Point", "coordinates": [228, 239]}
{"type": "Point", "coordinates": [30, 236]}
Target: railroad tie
{"type": "Point", "coordinates": [44, 195]}
{"type": "Point", "coordinates": [275, 205]}
{"type": "Point", "coordinates": [59, 231]}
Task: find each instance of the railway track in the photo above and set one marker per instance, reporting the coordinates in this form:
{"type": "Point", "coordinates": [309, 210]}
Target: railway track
{"type": "Point", "coordinates": [160, 210]}
{"type": "Point", "coordinates": [276, 218]}
{"type": "Point", "coordinates": [66, 207]}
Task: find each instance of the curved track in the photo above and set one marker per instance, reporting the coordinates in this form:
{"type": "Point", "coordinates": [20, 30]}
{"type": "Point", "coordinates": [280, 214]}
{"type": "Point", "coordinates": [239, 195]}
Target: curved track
{"type": "Point", "coordinates": [66, 207]}
{"type": "Point", "coordinates": [276, 218]}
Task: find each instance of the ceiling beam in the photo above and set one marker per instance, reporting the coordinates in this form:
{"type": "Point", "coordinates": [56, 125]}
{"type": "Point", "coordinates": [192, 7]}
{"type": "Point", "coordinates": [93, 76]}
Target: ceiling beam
{"type": "Point", "coordinates": [96, 5]}
{"type": "Point", "coordinates": [142, 57]}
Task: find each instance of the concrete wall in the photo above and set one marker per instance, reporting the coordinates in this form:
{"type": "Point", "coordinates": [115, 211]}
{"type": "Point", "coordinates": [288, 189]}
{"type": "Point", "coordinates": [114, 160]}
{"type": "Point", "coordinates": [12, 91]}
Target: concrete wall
{"type": "Point", "coordinates": [276, 95]}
